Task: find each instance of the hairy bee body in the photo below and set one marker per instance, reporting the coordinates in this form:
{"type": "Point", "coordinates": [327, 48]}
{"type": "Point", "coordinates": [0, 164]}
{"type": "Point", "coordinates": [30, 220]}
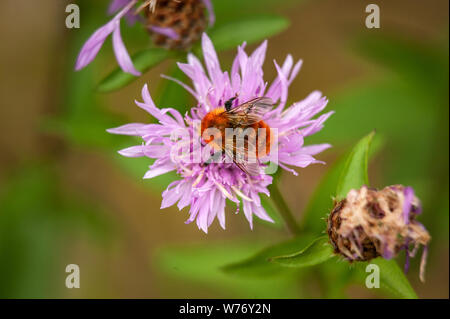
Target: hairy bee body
{"type": "Point", "coordinates": [246, 123]}
{"type": "Point", "coordinates": [218, 119]}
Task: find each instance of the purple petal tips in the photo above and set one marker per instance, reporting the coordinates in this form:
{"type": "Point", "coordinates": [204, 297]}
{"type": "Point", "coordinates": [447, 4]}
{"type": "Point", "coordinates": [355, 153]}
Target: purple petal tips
{"type": "Point", "coordinates": [407, 256]}
{"type": "Point", "coordinates": [209, 7]}
{"type": "Point", "coordinates": [121, 53]}
{"type": "Point", "coordinates": [408, 192]}
{"type": "Point", "coordinates": [116, 5]}
{"type": "Point", "coordinates": [93, 45]}
{"type": "Point", "coordinates": [168, 32]}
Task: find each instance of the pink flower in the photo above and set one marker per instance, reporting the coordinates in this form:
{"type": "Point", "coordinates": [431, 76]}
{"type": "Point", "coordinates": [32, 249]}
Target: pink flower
{"type": "Point", "coordinates": [125, 7]}
{"type": "Point", "coordinates": [205, 187]}
{"type": "Point", "coordinates": [94, 43]}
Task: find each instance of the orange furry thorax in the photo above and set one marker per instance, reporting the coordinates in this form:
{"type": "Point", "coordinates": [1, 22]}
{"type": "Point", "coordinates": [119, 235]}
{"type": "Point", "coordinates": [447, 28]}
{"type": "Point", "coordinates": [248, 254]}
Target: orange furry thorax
{"type": "Point", "coordinates": [218, 119]}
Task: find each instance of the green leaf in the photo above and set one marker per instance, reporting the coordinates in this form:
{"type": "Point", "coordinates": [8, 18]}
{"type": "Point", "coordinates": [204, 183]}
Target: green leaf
{"type": "Point", "coordinates": [321, 202]}
{"type": "Point", "coordinates": [354, 174]}
{"type": "Point", "coordinates": [143, 61]}
{"type": "Point", "coordinates": [195, 270]}
{"type": "Point", "coordinates": [251, 29]}
{"type": "Point", "coordinates": [335, 276]}
{"type": "Point", "coordinates": [392, 278]}
{"type": "Point", "coordinates": [315, 253]}
{"type": "Point", "coordinates": [259, 265]}
{"type": "Point", "coordinates": [411, 59]}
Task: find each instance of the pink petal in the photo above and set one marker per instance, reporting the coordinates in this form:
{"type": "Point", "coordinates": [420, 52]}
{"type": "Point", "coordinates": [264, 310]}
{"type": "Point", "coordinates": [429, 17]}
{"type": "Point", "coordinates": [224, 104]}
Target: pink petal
{"type": "Point", "coordinates": [122, 56]}
{"type": "Point", "coordinates": [209, 7]}
{"type": "Point", "coordinates": [170, 195]}
{"type": "Point", "coordinates": [317, 126]}
{"type": "Point", "coordinates": [159, 170]}
{"type": "Point", "coordinates": [128, 129]}
{"type": "Point", "coordinates": [260, 212]}
{"type": "Point", "coordinates": [295, 71]}
{"type": "Point", "coordinates": [133, 151]}
{"type": "Point", "coordinates": [91, 47]}
{"type": "Point", "coordinates": [211, 61]}
{"type": "Point", "coordinates": [299, 160]}
{"type": "Point", "coordinates": [146, 96]}
{"type": "Point", "coordinates": [275, 89]}
{"type": "Point", "coordinates": [248, 212]}
{"type": "Point", "coordinates": [202, 218]}
{"type": "Point", "coordinates": [168, 32]}
{"type": "Point", "coordinates": [186, 192]}
{"type": "Point", "coordinates": [314, 149]}
{"type": "Point", "coordinates": [221, 211]}
{"type": "Point", "coordinates": [284, 88]}
{"type": "Point", "coordinates": [115, 5]}
{"type": "Point", "coordinates": [155, 151]}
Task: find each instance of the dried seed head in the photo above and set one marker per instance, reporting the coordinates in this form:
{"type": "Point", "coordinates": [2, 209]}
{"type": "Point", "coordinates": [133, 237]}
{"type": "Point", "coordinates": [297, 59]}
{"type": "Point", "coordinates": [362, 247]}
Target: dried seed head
{"type": "Point", "coordinates": [370, 223]}
{"type": "Point", "coordinates": [176, 24]}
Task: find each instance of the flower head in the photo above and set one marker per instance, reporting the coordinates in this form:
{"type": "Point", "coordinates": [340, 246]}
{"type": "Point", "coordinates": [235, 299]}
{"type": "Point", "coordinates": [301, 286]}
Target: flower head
{"type": "Point", "coordinates": [168, 32]}
{"type": "Point", "coordinates": [178, 24]}
{"type": "Point", "coordinates": [204, 185]}
{"type": "Point", "coordinates": [370, 223]}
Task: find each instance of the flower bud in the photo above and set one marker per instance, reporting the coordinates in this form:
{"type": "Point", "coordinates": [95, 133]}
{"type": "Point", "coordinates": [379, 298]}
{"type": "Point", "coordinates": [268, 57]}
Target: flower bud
{"type": "Point", "coordinates": [369, 223]}
{"type": "Point", "coordinates": [176, 24]}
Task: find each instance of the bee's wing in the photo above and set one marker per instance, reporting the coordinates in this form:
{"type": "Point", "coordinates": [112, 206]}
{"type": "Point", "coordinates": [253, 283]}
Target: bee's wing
{"type": "Point", "coordinates": [244, 158]}
{"type": "Point", "coordinates": [250, 112]}
{"type": "Point", "coordinates": [252, 169]}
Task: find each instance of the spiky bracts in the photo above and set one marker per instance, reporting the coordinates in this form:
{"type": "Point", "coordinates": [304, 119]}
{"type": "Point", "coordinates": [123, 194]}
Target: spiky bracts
{"type": "Point", "coordinates": [369, 223]}
{"type": "Point", "coordinates": [184, 22]}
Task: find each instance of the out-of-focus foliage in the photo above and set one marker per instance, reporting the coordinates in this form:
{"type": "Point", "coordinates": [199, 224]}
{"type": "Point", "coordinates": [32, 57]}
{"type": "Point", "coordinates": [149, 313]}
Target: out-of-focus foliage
{"type": "Point", "coordinates": [200, 266]}
{"type": "Point", "coordinates": [250, 30]}
{"type": "Point", "coordinates": [38, 221]}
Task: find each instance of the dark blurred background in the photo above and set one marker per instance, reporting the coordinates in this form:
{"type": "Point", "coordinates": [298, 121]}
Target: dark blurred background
{"type": "Point", "coordinates": [67, 197]}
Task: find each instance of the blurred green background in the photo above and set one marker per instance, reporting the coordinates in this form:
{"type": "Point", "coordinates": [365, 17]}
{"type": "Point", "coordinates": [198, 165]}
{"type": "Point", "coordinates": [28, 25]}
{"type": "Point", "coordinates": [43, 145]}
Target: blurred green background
{"type": "Point", "coordinates": [67, 197]}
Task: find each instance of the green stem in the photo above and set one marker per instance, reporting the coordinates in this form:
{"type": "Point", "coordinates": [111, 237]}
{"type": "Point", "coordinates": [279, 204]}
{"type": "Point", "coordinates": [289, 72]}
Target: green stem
{"type": "Point", "coordinates": [283, 209]}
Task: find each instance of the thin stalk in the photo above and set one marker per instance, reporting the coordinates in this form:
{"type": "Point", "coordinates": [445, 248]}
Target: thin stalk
{"type": "Point", "coordinates": [283, 209]}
